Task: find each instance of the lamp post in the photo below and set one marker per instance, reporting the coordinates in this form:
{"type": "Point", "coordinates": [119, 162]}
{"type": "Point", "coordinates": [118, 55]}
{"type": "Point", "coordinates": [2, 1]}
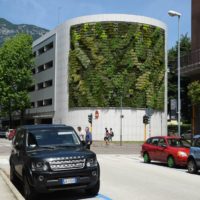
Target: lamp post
{"type": "Point", "coordinates": [176, 14]}
{"type": "Point", "coordinates": [121, 117]}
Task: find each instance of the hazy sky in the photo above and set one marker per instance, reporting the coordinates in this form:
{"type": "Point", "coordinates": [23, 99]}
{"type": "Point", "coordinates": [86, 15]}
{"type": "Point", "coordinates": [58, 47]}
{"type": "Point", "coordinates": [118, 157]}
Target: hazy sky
{"type": "Point", "coordinates": [49, 13]}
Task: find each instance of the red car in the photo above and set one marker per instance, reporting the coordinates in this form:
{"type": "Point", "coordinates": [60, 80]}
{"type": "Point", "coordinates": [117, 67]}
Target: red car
{"type": "Point", "coordinates": [170, 150]}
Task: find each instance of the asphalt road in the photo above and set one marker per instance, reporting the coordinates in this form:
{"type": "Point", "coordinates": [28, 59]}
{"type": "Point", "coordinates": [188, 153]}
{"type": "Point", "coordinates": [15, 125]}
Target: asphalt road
{"type": "Point", "coordinates": [125, 176]}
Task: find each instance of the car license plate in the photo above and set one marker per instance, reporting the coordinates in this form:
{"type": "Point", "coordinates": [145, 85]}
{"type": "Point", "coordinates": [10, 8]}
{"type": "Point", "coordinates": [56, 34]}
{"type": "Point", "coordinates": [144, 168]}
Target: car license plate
{"type": "Point", "coordinates": [66, 181]}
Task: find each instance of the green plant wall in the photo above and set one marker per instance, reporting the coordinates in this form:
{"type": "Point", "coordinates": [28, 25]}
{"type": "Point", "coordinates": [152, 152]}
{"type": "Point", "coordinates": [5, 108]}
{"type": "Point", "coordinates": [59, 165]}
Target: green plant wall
{"type": "Point", "coordinates": [113, 59]}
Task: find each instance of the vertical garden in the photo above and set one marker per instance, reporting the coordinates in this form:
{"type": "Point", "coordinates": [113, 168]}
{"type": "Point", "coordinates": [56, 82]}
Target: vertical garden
{"type": "Point", "coordinates": [112, 59]}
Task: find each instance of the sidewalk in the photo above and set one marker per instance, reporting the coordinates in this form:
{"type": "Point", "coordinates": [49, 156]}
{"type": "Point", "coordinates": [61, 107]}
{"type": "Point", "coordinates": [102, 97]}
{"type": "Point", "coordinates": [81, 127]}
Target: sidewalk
{"type": "Point", "coordinates": [7, 189]}
{"type": "Point", "coordinates": [100, 147]}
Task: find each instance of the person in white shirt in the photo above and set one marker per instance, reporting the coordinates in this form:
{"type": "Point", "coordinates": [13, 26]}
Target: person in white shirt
{"type": "Point", "coordinates": [81, 133]}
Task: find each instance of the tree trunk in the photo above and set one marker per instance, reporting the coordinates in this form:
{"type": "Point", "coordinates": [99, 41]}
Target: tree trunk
{"type": "Point", "coordinates": [22, 112]}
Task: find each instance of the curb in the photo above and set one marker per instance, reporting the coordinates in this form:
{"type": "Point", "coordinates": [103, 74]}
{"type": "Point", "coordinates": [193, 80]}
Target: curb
{"type": "Point", "coordinates": [15, 192]}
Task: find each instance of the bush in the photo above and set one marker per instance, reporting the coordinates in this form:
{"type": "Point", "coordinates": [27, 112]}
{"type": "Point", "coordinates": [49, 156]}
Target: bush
{"type": "Point", "coordinates": [173, 129]}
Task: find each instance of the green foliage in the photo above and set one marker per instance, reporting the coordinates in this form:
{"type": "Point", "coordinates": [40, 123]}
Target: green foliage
{"type": "Point", "coordinates": [174, 128]}
{"type": "Point", "coordinates": [109, 60]}
{"type": "Point", "coordinates": [194, 92]}
{"type": "Point", "coordinates": [16, 62]}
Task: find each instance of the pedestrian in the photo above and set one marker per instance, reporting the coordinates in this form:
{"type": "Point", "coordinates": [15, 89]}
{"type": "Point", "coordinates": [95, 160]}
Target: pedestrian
{"type": "Point", "coordinates": [88, 138]}
{"type": "Point", "coordinates": [106, 137]}
{"type": "Point", "coordinates": [111, 134]}
{"type": "Point", "coordinates": [81, 133]}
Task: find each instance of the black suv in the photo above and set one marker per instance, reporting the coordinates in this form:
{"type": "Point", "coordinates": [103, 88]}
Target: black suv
{"type": "Point", "coordinates": [193, 163]}
{"type": "Point", "coordinates": [51, 157]}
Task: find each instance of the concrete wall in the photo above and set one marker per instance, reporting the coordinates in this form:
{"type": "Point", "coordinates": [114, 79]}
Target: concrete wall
{"type": "Point", "coordinates": [132, 123]}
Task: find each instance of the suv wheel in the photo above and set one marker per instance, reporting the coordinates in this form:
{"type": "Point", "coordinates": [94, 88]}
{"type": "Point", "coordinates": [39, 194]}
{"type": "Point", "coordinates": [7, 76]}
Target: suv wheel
{"type": "Point", "coordinates": [170, 162]}
{"type": "Point", "coordinates": [29, 192]}
{"type": "Point", "coordinates": [94, 190]}
{"type": "Point", "coordinates": [146, 158]}
{"type": "Point", "coordinates": [192, 168]}
{"type": "Point", "coordinates": [13, 177]}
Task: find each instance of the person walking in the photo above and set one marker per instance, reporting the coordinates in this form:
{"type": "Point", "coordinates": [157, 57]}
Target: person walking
{"type": "Point", "coordinates": [81, 133]}
{"type": "Point", "coordinates": [106, 137]}
{"type": "Point", "coordinates": [111, 134]}
{"type": "Point", "coordinates": [88, 137]}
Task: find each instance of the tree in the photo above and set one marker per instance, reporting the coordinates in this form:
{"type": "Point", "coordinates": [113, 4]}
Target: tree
{"type": "Point", "coordinates": [194, 92]}
{"type": "Point", "coordinates": [16, 62]}
{"type": "Point", "coordinates": [185, 48]}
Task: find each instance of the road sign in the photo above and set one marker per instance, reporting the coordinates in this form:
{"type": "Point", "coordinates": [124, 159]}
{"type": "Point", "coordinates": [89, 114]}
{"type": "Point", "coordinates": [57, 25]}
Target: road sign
{"type": "Point", "coordinates": [149, 112]}
{"type": "Point", "coordinates": [96, 114]}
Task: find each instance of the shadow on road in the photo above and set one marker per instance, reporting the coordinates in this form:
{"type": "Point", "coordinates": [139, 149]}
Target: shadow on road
{"type": "Point", "coordinates": [164, 165]}
{"type": "Point", "coordinates": [60, 195]}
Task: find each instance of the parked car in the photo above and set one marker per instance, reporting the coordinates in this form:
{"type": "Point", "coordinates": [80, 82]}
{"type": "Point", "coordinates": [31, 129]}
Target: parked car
{"type": "Point", "coordinates": [2, 133]}
{"type": "Point", "coordinates": [171, 150]}
{"type": "Point", "coordinates": [48, 158]}
{"type": "Point", "coordinates": [193, 162]}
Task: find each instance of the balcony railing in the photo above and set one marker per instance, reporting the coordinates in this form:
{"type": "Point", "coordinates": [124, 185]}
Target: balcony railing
{"type": "Point", "coordinates": [191, 59]}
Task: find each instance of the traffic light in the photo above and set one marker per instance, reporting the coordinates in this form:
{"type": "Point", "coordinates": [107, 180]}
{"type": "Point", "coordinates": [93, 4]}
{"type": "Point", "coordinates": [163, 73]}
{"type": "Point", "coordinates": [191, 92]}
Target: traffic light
{"type": "Point", "coordinates": [146, 119]}
{"type": "Point", "coordinates": [90, 118]}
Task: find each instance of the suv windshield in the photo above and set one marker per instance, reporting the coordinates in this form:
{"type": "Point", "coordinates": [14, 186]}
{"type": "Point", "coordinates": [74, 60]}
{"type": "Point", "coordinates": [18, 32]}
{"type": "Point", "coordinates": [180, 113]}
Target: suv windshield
{"type": "Point", "coordinates": [176, 142]}
{"type": "Point", "coordinates": [52, 137]}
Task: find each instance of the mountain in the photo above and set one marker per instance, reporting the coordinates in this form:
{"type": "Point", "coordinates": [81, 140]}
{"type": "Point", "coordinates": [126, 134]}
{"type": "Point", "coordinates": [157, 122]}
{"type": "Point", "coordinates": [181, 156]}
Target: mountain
{"type": "Point", "coordinates": [8, 29]}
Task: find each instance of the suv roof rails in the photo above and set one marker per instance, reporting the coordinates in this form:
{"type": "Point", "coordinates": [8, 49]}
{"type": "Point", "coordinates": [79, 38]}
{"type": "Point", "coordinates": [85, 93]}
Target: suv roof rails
{"type": "Point", "coordinates": [38, 126]}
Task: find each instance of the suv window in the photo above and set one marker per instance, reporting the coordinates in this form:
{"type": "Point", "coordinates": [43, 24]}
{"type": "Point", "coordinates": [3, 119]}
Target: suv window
{"type": "Point", "coordinates": [19, 138]}
{"type": "Point", "coordinates": [53, 137]}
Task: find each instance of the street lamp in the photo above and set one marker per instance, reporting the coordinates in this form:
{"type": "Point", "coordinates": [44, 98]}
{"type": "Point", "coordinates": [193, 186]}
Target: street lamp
{"type": "Point", "coordinates": [121, 117]}
{"type": "Point", "coordinates": [176, 14]}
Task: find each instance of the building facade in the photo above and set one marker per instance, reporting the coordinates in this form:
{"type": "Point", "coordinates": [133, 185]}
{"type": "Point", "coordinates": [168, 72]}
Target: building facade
{"type": "Point", "coordinates": [56, 96]}
{"type": "Point", "coordinates": [190, 64]}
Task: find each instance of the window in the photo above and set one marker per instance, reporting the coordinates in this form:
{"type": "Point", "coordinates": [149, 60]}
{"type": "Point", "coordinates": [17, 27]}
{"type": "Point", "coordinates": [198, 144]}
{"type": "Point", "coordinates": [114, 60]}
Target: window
{"type": "Point", "coordinates": [40, 103]}
{"type": "Point", "coordinates": [48, 83]}
{"type": "Point", "coordinates": [161, 142]}
{"type": "Point", "coordinates": [41, 50]}
{"type": "Point", "coordinates": [149, 141]}
{"type": "Point", "coordinates": [63, 137]}
{"type": "Point", "coordinates": [154, 141]}
{"type": "Point", "coordinates": [45, 66]}
{"type": "Point", "coordinates": [32, 88]}
{"type": "Point", "coordinates": [40, 68]}
{"type": "Point", "coordinates": [19, 138]}
{"type": "Point", "coordinates": [48, 65]}
{"type": "Point", "coordinates": [47, 102]}
{"type": "Point", "coordinates": [32, 104]}
{"type": "Point", "coordinates": [176, 142]}
{"type": "Point", "coordinates": [44, 49]}
{"type": "Point", "coordinates": [40, 86]}
{"type": "Point", "coordinates": [49, 46]}
{"type": "Point", "coordinates": [197, 143]}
